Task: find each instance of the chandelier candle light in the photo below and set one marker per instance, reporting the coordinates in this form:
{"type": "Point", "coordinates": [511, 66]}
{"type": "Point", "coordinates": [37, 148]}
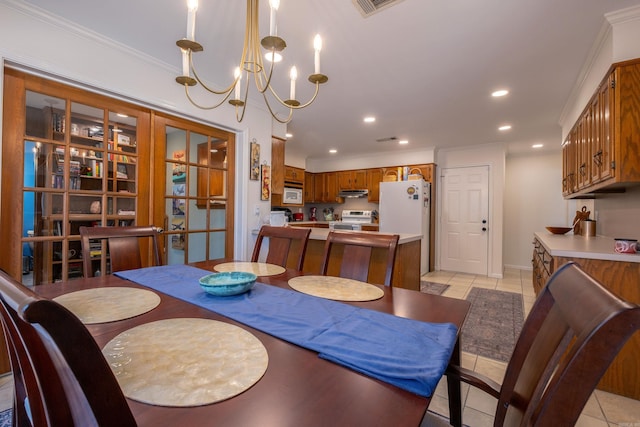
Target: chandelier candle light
{"type": "Point", "coordinates": [250, 64]}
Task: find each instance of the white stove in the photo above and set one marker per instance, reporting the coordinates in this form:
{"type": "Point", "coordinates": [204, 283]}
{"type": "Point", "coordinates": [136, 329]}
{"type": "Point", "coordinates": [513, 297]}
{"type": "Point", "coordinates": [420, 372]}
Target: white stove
{"type": "Point", "coordinates": [351, 220]}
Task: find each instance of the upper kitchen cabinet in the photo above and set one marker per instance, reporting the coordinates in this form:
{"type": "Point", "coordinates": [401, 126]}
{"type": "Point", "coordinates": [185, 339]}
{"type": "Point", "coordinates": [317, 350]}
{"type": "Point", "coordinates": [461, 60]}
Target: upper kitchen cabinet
{"type": "Point", "coordinates": [277, 166]}
{"type": "Point", "coordinates": [374, 177]}
{"type": "Point", "coordinates": [352, 180]}
{"type": "Point", "coordinates": [309, 187]}
{"type": "Point", "coordinates": [601, 152]}
{"type": "Point", "coordinates": [326, 188]}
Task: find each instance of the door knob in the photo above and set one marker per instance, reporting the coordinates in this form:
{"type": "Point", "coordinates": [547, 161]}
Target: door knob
{"type": "Point", "coordinates": [484, 221]}
{"type": "Point", "coordinates": [484, 228]}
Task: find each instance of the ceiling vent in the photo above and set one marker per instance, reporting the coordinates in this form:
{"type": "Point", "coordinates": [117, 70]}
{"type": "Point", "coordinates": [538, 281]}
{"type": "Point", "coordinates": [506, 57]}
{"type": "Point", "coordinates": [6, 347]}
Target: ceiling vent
{"type": "Point", "coordinates": [369, 7]}
{"type": "Point", "coordinates": [387, 139]}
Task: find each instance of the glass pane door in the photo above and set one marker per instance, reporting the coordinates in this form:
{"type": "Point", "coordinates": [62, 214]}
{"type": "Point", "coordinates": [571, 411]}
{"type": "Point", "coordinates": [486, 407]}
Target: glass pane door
{"type": "Point", "coordinates": [198, 191]}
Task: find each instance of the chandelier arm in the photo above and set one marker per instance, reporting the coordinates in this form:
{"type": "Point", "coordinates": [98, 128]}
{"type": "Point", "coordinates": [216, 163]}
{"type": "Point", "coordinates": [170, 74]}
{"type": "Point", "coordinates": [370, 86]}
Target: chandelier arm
{"type": "Point", "coordinates": [226, 91]}
{"type": "Point", "coordinates": [274, 114]}
{"type": "Point", "coordinates": [202, 107]}
{"type": "Point", "coordinates": [258, 77]}
{"type": "Point", "coordinates": [297, 107]}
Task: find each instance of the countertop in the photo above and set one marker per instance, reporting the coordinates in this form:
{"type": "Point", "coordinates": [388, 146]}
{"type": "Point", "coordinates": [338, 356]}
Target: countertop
{"type": "Point", "coordinates": [322, 233]}
{"type": "Point", "coordinates": [572, 246]}
{"type": "Point", "coordinates": [303, 223]}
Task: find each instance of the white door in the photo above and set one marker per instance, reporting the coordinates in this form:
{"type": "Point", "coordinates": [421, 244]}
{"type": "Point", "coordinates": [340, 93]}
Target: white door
{"type": "Point", "coordinates": [465, 220]}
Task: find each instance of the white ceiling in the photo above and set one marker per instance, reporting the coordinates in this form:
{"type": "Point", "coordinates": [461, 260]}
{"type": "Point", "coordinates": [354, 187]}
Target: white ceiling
{"type": "Point", "coordinates": [424, 68]}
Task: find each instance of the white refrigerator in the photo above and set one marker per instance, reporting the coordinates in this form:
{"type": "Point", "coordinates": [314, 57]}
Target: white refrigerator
{"type": "Point", "coordinates": [404, 209]}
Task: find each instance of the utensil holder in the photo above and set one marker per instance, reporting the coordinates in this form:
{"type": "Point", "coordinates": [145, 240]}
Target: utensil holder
{"type": "Point", "coordinates": [588, 228]}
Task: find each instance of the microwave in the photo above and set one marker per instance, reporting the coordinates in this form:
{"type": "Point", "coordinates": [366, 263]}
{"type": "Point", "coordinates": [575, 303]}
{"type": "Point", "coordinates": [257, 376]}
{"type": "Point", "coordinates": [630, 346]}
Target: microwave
{"type": "Point", "coordinates": [292, 196]}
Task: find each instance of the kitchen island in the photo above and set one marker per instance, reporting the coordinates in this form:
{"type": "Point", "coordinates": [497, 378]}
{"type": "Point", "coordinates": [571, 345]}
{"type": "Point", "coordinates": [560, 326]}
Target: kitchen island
{"type": "Point", "coordinates": [620, 273]}
{"type": "Point", "coordinates": [406, 273]}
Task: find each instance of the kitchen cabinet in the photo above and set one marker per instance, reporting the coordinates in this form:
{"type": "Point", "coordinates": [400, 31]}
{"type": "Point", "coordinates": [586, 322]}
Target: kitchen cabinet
{"type": "Point", "coordinates": [618, 273]}
{"type": "Point", "coordinates": [293, 175]}
{"type": "Point", "coordinates": [374, 178]}
{"type": "Point", "coordinates": [352, 180]}
{"type": "Point", "coordinates": [309, 187]}
{"type": "Point", "coordinates": [277, 166]}
{"type": "Point", "coordinates": [326, 188]}
{"type": "Point", "coordinates": [600, 152]}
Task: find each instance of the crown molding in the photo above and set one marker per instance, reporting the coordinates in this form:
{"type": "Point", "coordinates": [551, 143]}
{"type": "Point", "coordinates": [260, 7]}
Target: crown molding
{"type": "Point", "coordinates": [64, 24]}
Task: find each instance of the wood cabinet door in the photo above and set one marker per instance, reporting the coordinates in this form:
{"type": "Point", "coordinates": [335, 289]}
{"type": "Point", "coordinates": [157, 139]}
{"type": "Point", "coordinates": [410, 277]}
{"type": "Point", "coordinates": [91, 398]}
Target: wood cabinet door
{"type": "Point", "coordinates": [309, 187]}
{"type": "Point", "coordinates": [607, 129]}
{"type": "Point", "coordinates": [277, 166]}
{"type": "Point", "coordinates": [331, 187]}
{"type": "Point", "coordinates": [374, 177]}
{"type": "Point", "coordinates": [319, 188]}
{"type": "Point", "coordinates": [345, 180]}
{"type": "Point", "coordinates": [359, 179]}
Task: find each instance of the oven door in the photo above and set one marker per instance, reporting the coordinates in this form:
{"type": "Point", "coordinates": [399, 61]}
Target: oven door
{"type": "Point", "coordinates": [339, 225]}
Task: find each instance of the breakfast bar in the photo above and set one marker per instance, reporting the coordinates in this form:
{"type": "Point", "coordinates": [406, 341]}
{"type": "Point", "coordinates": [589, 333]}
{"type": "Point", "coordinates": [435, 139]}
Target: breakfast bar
{"type": "Point", "coordinates": [406, 272]}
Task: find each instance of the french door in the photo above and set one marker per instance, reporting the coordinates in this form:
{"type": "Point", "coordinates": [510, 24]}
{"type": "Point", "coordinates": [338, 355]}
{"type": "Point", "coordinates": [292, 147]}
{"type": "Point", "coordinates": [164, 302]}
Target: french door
{"type": "Point", "coordinates": [193, 189]}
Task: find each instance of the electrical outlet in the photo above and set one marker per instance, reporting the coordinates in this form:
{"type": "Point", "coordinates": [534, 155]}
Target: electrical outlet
{"type": "Point", "coordinates": [256, 211]}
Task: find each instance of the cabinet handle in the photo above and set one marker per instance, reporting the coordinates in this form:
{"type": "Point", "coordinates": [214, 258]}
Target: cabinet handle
{"type": "Point", "coordinates": [597, 158]}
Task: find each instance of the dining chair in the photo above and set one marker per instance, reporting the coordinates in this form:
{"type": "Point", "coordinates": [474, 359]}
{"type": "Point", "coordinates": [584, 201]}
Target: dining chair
{"type": "Point", "coordinates": [125, 246]}
{"type": "Point", "coordinates": [60, 376]}
{"type": "Point", "coordinates": [284, 243]}
{"type": "Point", "coordinates": [575, 329]}
{"type": "Point", "coordinates": [357, 251]}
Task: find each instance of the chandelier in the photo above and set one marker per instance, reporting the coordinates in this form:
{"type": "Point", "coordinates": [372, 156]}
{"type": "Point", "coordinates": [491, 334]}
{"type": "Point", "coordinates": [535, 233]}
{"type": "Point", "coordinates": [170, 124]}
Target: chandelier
{"type": "Point", "coordinates": [251, 65]}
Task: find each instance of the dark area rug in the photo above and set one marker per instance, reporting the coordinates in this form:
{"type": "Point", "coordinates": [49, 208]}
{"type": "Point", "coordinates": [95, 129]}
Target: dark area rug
{"type": "Point", "coordinates": [432, 288]}
{"type": "Point", "coordinates": [493, 324]}
{"type": "Point", "coordinates": [5, 418]}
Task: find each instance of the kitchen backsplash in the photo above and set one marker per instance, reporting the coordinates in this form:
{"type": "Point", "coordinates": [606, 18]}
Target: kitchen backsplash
{"type": "Point", "coordinates": [618, 214]}
{"type": "Point", "coordinates": [352, 204]}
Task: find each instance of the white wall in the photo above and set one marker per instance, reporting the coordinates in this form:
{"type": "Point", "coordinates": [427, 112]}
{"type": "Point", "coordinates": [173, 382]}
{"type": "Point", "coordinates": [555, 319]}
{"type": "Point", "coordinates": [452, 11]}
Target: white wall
{"type": "Point", "coordinates": [369, 160]}
{"type": "Point", "coordinates": [79, 55]}
{"type": "Point", "coordinates": [492, 155]}
{"type": "Point", "coordinates": [532, 201]}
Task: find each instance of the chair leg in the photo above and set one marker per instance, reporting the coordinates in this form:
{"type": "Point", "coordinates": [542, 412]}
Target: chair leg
{"type": "Point", "coordinates": [454, 390]}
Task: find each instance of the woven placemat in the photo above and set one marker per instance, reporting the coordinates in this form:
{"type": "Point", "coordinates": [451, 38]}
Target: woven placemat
{"type": "Point", "coordinates": [336, 288]}
{"type": "Point", "coordinates": [257, 268]}
{"type": "Point", "coordinates": [101, 305]}
{"type": "Point", "coordinates": [186, 361]}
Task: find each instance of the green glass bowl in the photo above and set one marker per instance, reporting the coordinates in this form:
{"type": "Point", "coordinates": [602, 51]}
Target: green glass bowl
{"type": "Point", "coordinates": [227, 283]}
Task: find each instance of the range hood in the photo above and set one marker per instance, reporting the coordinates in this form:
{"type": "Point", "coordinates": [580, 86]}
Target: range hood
{"type": "Point", "coordinates": [353, 194]}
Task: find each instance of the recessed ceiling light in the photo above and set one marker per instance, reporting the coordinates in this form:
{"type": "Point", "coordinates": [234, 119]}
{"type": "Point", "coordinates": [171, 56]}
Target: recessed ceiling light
{"type": "Point", "coordinates": [499, 93]}
{"type": "Point", "coordinates": [288, 135]}
{"type": "Point", "coordinates": [333, 151]}
{"type": "Point", "coordinates": [369, 119]}
{"type": "Point", "coordinates": [537, 146]}
{"type": "Point", "coordinates": [403, 141]}
{"type": "Point", "coordinates": [276, 57]}
{"type": "Point", "coordinates": [504, 127]}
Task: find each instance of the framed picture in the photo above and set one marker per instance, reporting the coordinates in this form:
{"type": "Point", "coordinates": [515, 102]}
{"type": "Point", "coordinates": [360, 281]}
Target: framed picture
{"type": "Point", "coordinates": [265, 193]}
{"type": "Point", "coordinates": [254, 161]}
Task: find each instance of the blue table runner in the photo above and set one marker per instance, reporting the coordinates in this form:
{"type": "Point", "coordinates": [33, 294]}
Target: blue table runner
{"type": "Point", "coordinates": [407, 353]}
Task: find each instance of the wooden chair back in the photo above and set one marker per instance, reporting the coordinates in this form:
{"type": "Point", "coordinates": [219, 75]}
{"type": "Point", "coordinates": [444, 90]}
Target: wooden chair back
{"type": "Point", "coordinates": [357, 250]}
{"type": "Point", "coordinates": [287, 246]}
{"type": "Point", "coordinates": [125, 246]}
{"type": "Point", "coordinates": [57, 365]}
{"type": "Point", "coordinates": [575, 329]}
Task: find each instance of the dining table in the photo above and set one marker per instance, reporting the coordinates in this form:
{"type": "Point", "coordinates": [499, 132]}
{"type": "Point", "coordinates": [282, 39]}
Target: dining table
{"type": "Point", "coordinates": [298, 388]}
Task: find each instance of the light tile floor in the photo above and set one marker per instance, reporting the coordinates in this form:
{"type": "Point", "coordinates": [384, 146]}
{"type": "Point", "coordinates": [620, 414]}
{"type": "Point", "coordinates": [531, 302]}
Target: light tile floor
{"type": "Point", "coordinates": [603, 409]}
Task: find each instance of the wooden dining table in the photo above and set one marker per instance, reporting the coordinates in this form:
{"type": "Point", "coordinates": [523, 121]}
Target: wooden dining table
{"type": "Point", "coordinates": [299, 388]}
